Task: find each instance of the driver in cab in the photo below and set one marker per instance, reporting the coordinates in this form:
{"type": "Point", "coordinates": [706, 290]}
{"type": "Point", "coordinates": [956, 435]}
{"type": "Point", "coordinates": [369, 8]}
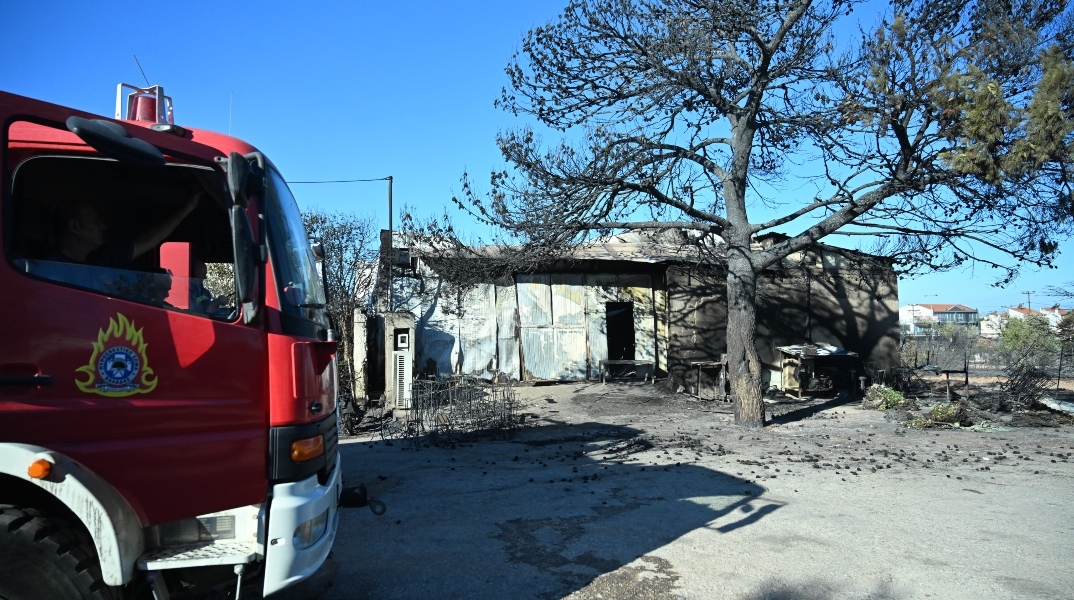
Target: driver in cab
{"type": "Point", "coordinates": [79, 234]}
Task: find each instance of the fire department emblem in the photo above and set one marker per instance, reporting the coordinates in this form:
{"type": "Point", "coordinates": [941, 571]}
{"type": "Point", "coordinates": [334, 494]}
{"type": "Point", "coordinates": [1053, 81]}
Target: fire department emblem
{"type": "Point", "coordinates": [118, 366]}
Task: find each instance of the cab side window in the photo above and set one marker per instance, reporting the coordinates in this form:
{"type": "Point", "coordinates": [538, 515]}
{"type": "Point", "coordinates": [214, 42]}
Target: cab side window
{"type": "Point", "coordinates": [146, 234]}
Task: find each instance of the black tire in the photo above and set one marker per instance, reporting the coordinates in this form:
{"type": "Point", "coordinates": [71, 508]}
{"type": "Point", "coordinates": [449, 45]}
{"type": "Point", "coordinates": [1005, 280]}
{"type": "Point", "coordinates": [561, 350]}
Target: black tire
{"type": "Point", "coordinates": [42, 559]}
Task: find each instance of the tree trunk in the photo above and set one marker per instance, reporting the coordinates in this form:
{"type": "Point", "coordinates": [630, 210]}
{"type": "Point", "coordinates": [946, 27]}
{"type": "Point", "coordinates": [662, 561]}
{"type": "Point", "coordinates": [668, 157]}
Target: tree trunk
{"type": "Point", "coordinates": [345, 364]}
{"type": "Point", "coordinates": [743, 364]}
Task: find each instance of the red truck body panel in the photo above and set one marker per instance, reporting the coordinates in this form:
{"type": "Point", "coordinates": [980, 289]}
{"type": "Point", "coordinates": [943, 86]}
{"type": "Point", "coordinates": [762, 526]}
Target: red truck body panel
{"type": "Point", "coordinates": [194, 439]}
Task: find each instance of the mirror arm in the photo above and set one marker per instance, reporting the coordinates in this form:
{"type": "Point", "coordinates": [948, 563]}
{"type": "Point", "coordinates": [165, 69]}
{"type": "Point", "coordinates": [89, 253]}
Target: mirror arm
{"type": "Point", "coordinates": [246, 263]}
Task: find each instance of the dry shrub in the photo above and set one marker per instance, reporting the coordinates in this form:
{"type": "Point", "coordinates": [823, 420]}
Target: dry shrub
{"type": "Point", "coordinates": [1025, 385]}
{"type": "Point", "coordinates": [954, 413]}
{"type": "Point", "coordinates": [943, 415]}
{"type": "Point", "coordinates": [885, 398]}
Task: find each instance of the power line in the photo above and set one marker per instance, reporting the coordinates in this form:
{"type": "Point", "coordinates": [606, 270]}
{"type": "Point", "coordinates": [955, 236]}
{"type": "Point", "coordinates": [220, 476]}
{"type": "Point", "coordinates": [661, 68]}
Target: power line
{"type": "Point", "coordinates": [341, 180]}
{"type": "Point", "coordinates": [1029, 298]}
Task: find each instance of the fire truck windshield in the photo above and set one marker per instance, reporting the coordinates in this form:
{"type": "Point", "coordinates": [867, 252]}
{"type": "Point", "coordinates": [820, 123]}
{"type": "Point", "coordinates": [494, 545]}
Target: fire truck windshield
{"type": "Point", "coordinates": [296, 272]}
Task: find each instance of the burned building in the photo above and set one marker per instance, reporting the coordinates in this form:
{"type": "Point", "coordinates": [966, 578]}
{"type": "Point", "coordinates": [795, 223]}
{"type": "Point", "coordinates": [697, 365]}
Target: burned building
{"type": "Point", "coordinates": [643, 300]}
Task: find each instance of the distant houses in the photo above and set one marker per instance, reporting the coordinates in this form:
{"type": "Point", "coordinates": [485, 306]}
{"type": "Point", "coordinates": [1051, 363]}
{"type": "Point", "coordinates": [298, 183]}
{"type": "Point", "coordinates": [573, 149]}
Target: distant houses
{"type": "Point", "coordinates": [918, 319]}
{"type": "Point", "coordinates": [1053, 314]}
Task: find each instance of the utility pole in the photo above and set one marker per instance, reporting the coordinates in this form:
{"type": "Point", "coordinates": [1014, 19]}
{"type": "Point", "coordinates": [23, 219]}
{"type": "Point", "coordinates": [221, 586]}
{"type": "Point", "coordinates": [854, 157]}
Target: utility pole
{"type": "Point", "coordinates": [1029, 298]}
{"type": "Point", "coordinates": [389, 204]}
{"type": "Point", "coordinates": [391, 249]}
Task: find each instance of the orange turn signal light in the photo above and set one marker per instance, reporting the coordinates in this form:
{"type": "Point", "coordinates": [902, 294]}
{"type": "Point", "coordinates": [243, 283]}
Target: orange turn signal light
{"type": "Point", "coordinates": [302, 450]}
{"type": "Point", "coordinates": [39, 469]}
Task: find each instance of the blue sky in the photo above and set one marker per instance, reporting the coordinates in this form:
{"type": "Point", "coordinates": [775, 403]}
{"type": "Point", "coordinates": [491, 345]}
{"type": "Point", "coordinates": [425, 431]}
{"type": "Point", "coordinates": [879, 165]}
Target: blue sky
{"type": "Point", "coordinates": [340, 90]}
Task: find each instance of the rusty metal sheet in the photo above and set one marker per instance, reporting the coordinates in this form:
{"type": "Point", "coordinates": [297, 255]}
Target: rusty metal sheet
{"type": "Point", "coordinates": [639, 290]}
{"type": "Point", "coordinates": [477, 332]}
{"type": "Point", "coordinates": [538, 353]}
{"type": "Point", "coordinates": [437, 350]}
{"type": "Point", "coordinates": [551, 311]}
{"type": "Point", "coordinates": [570, 353]}
{"type": "Point", "coordinates": [601, 288]}
{"type": "Point", "coordinates": [568, 320]}
{"type": "Point", "coordinates": [597, 343]}
{"type": "Point", "coordinates": [568, 300]}
{"type": "Point", "coordinates": [436, 331]}
{"type": "Point", "coordinates": [507, 331]}
{"type": "Point", "coordinates": [641, 282]}
{"type": "Point", "coordinates": [534, 300]}
{"type": "Point", "coordinates": [660, 308]}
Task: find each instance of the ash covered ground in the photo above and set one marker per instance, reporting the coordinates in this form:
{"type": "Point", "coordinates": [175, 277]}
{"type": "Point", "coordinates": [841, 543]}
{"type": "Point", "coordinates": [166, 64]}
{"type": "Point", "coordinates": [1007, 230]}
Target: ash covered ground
{"type": "Point", "coordinates": [627, 490]}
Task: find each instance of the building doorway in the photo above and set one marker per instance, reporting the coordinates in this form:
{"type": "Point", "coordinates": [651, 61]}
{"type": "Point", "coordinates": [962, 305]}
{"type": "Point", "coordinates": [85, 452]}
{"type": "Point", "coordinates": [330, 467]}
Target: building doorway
{"type": "Point", "coordinates": [620, 323]}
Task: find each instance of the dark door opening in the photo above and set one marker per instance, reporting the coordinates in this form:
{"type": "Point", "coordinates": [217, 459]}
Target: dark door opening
{"type": "Point", "coordinates": [620, 322]}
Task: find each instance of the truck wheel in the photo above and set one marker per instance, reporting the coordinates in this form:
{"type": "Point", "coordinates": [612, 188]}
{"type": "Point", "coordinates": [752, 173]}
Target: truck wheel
{"type": "Point", "coordinates": [41, 559]}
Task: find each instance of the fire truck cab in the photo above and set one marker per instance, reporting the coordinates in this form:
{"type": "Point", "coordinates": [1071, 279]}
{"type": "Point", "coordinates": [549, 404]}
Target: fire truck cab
{"type": "Point", "coordinates": [167, 377]}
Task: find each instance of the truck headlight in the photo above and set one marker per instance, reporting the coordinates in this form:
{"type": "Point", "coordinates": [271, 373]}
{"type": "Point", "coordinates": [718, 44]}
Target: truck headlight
{"type": "Point", "coordinates": [310, 532]}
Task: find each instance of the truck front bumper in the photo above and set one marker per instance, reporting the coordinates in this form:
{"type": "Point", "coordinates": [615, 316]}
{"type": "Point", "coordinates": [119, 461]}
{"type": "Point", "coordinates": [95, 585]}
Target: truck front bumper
{"type": "Point", "coordinates": [302, 521]}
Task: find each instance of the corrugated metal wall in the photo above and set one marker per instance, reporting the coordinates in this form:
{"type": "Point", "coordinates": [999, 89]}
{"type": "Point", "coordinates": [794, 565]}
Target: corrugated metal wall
{"type": "Point", "coordinates": [601, 288]}
{"type": "Point", "coordinates": [437, 328]}
{"type": "Point", "coordinates": [507, 331]}
{"type": "Point", "coordinates": [552, 325]}
{"type": "Point", "coordinates": [545, 327]}
{"type": "Point", "coordinates": [477, 331]}
{"type": "Point", "coordinates": [568, 322]}
{"type": "Point", "coordinates": [639, 290]}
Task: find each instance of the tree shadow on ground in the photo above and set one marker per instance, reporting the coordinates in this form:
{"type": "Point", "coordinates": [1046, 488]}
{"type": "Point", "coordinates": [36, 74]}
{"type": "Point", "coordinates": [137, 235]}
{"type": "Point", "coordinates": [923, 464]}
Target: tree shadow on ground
{"type": "Point", "coordinates": [775, 589]}
{"type": "Point", "coordinates": [539, 516]}
{"type": "Point", "coordinates": [782, 417]}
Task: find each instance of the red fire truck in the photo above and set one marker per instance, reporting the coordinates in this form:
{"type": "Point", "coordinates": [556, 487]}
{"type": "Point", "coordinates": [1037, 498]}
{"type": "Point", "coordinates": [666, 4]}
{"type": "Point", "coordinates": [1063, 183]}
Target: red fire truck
{"type": "Point", "coordinates": [156, 436]}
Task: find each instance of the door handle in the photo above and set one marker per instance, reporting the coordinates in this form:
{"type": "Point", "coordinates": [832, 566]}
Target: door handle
{"type": "Point", "coordinates": [29, 380]}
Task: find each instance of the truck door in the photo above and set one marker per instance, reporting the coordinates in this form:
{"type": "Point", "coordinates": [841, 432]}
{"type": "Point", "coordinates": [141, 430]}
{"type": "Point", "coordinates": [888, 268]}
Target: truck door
{"type": "Point", "coordinates": [125, 360]}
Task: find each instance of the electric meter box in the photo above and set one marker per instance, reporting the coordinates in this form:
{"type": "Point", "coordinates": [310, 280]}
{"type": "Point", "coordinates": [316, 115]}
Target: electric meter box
{"type": "Point", "coordinates": [398, 345]}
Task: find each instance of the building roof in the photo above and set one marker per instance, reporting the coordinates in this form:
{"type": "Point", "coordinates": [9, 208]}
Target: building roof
{"type": "Point", "coordinates": [948, 308]}
{"type": "Point", "coordinates": [1025, 311]}
{"type": "Point", "coordinates": [666, 246]}
{"type": "Point", "coordinates": [659, 247]}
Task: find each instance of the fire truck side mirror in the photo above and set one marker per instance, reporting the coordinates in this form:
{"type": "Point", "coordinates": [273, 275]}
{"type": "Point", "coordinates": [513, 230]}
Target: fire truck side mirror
{"type": "Point", "coordinates": [247, 256]}
{"type": "Point", "coordinates": [318, 260]}
{"type": "Point", "coordinates": [238, 171]}
{"type": "Point", "coordinates": [111, 139]}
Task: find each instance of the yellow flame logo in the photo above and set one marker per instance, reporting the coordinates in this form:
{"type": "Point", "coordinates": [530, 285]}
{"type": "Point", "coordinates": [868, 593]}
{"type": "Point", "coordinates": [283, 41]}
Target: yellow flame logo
{"type": "Point", "coordinates": [118, 366]}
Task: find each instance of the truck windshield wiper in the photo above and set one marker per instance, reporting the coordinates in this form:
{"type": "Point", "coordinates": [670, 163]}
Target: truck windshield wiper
{"type": "Point", "coordinates": [321, 306]}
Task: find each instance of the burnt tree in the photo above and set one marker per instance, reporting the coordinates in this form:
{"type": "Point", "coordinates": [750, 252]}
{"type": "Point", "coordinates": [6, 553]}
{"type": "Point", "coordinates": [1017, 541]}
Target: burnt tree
{"type": "Point", "coordinates": [350, 259]}
{"type": "Point", "coordinates": [944, 134]}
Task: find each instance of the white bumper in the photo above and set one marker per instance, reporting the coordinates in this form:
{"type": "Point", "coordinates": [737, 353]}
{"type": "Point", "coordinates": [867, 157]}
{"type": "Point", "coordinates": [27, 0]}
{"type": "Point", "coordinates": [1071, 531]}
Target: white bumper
{"type": "Point", "coordinates": [292, 505]}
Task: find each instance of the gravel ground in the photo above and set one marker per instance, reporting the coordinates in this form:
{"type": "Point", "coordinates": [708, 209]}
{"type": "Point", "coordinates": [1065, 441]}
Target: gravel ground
{"type": "Point", "coordinates": [628, 491]}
